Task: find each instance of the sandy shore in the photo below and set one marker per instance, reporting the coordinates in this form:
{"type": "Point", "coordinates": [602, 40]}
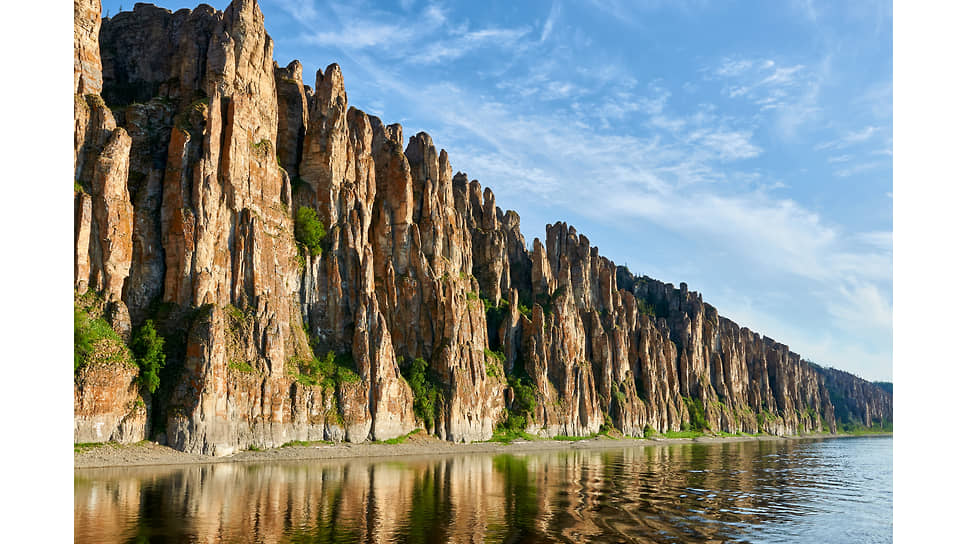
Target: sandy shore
{"type": "Point", "coordinates": [150, 454]}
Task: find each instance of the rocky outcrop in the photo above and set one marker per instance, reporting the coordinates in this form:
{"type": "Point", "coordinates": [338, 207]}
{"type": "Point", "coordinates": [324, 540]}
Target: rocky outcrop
{"type": "Point", "coordinates": [856, 401]}
{"type": "Point", "coordinates": [107, 404]}
{"type": "Point", "coordinates": [191, 173]}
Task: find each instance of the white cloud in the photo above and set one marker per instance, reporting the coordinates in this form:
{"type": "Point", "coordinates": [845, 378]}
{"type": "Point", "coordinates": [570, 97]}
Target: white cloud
{"type": "Point", "coordinates": [424, 40]}
{"type": "Point", "coordinates": [592, 141]}
{"type": "Point", "coordinates": [861, 135]}
{"type": "Point", "coordinates": [864, 358]}
{"type": "Point", "coordinates": [462, 43]}
{"type": "Point", "coordinates": [789, 92]}
{"type": "Point", "coordinates": [857, 169]}
{"type": "Point", "coordinates": [359, 35]}
{"type": "Point", "coordinates": [862, 307]}
{"type": "Point", "coordinates": [298, 9]}
{"type": "Point", "coordinates": [549, 23]}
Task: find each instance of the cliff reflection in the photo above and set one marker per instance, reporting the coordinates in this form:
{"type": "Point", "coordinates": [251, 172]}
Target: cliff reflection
{"type": "Point", "coordinates": [683, 492]}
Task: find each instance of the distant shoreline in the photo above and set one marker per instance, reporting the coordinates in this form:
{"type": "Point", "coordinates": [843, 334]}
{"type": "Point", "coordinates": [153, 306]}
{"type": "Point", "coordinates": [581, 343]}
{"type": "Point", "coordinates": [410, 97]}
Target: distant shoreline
{"type": "Point", "coordinates": [151, 454]}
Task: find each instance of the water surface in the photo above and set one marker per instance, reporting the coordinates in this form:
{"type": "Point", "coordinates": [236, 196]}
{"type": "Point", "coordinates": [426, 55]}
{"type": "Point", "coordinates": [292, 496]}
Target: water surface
{"type": "Point", "coordinates": [770, 492]}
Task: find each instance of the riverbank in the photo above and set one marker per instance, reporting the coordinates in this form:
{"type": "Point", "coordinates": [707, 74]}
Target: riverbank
{"type": "Point", "coordinates": [420, 444]}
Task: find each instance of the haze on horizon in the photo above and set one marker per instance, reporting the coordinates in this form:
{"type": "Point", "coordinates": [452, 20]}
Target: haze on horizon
{"type": "Point", "coordinates": [742, 147]}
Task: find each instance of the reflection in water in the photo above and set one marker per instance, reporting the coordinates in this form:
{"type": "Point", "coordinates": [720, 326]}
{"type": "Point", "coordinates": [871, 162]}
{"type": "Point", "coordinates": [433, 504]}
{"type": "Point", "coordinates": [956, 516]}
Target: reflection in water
{"type": "Point", "coordinates": [808, 491]}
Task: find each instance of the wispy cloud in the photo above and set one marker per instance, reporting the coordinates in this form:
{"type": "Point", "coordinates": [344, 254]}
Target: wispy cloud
{"type": "Point", "coordinates": [789, 92]}
{"type": "Point", "coordinates": [857, 169]}
{"type": "Point", "coordinates": [298, 9]}
{"type": "Point", "coordinates": [606, 142]}
{"type": "Point", "coordinates": [427, 39]}
{"type": "Point", "coordinates": [549, 23]}
{"type": "Point", "coordinates": [850, 138]}
{"type": "Point", "coordinates": [462, 42]}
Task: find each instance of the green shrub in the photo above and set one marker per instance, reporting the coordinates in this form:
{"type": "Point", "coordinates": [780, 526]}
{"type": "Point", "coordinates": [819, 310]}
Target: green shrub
{"type": "Point", "coordinates": [494, 363]}
{"type": "Point", "coordinates": [88, 331]}
{"type": "Point", "coordinates": [149, 354]}
{"type": "Point", "coordinates": [497, 356]}
{"type": "Point", "coordinates": [241, 366]}
{"type": "Point", "coordinates": [644, 307]}
{"type": "Point", "coordinates": [428, 394]}
{"type": "Point", "coordinates": [495, 313]}
{"type": "Point", "coordinates": [617, 393]}
{"type": "Point", "coordinates": [263, 146]}
{"type": "Point", "coordinates": [328, 372]}
{"type": "Point", "coordinates": [525, 400]}
{"type": "Point", "coordinates": [505, 434]}
{"type": "Point", "coordinates": [308, 230]}
{"type": "Point", "coordinates": [697, 414]}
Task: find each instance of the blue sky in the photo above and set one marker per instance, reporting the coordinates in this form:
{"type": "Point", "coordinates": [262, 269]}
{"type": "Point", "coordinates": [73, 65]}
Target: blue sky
{"type": "Point", "coordinates": [742, 147]}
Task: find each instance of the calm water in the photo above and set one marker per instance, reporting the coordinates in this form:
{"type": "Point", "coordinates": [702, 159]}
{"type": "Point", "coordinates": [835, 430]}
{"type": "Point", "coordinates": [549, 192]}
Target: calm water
{"type": "Point", "coordinates": [806, 491]}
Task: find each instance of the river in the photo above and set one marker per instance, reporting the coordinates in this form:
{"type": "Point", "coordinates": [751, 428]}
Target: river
{"type": "Point", "coordinates": [810, 491]}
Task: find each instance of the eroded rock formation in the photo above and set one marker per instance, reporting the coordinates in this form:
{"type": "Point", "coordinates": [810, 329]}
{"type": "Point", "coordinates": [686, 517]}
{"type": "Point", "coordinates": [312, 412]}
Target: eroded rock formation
{"type": "Point", "coordinates": [190, 173]}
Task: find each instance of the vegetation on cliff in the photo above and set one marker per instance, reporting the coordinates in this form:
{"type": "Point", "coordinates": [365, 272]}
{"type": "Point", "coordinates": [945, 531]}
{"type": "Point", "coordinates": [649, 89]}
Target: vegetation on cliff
{"type": "Point", "coordinates": [423, 271]}
{"type": "Point", "coordinates": [149, 354]}
{"type": "Point", "coordinates": [308, 230]}
{"type": "Point", "coordinates": [93, 336]}
{"type": "Point", "coordinates": [428, 393]}
{"type": "Point", "coordinates": [330, 371]}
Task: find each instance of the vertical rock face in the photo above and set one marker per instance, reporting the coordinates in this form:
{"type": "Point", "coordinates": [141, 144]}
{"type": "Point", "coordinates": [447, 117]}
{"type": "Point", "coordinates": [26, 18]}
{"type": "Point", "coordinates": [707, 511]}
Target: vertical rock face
{"type": "Point", "coordinates": [856, 400]}
{"type": "Point", "coordinates": [87, 57]}
{"type": "Point", "coordinates": [190, 172]}
{"type": "Point", "coordinates": [107, 405]}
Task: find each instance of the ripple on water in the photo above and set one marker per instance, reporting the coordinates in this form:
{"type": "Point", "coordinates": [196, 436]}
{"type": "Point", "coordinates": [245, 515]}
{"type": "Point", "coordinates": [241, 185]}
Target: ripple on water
{"type": "Point", "coordinates": [769, 492]}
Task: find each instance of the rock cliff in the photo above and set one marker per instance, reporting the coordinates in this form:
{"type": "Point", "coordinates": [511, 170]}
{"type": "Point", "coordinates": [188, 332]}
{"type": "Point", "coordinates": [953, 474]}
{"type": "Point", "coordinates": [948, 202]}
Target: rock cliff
{"type": "Point", "coordinates": [200, 163]}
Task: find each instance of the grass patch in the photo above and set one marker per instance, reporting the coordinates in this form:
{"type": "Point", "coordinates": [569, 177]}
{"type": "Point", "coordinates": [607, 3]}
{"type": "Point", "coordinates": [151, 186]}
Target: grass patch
{"type": "Point", "coordinates": [305, 443]}
{"type": "Point", "coordinates": [506, 436]}
{"type": "Point", "coordinates": [566, 438]}
{"type": "Point", "coordinates": [733, 435]}
{"type": "Point", "coordinates": [90, 331]}
{"type": "Point", "coordinates": [329, 372]}
{"type": "Point", "coordinates": [241, 366]}
{"type": "Point", "coordinates": [400, 439]}
{"type": "Point", "coordinates": [81, 447]}
{"type": "Point", "coordinates": [682, 434]}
